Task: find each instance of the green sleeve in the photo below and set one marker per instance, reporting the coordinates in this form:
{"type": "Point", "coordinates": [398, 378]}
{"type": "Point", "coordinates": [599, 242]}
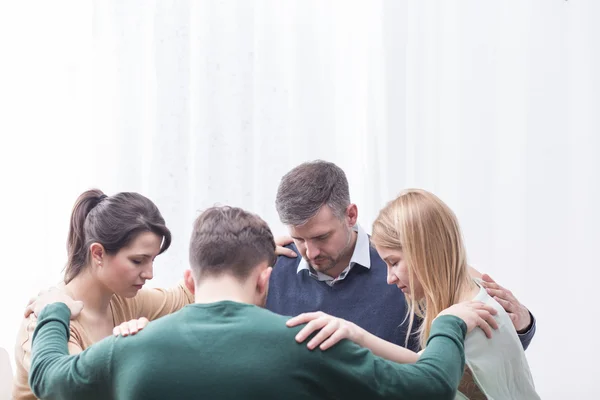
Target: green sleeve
{"type": "Point", "coordinates": [54, 374]}
{"type": "Point", "coordinates": [354, 372]}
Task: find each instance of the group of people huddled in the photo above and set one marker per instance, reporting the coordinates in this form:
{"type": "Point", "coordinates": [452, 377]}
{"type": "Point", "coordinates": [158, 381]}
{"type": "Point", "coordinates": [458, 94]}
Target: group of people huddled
{"type": "Point", "coordinates": [330, 312]}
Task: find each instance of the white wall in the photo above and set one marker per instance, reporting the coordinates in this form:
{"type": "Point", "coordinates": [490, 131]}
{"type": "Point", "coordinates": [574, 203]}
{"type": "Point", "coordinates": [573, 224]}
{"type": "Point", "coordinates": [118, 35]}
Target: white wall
{"type": "Point", "coordinates": [491, 105]}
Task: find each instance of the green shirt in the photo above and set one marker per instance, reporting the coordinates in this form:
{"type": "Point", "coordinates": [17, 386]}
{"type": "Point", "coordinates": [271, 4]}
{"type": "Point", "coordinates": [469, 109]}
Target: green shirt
{"type": "Point", "coordinates": [229, 350]}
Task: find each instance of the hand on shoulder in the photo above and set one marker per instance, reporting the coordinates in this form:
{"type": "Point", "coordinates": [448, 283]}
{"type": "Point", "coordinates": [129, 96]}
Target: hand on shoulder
{"type": "Point", "coordinates": [50, 296]}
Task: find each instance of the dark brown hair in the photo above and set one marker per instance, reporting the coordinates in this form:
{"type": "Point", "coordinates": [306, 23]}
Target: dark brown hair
{"type": "Point", "coordinates": [114, 222]}
{"type": "Point", "coordinates": [230, 240]}
{"type": "Point", "coordinates": [306, 188]}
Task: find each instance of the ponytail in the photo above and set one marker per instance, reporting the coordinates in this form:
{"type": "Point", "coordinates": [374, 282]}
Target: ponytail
{"type": "Point", "coordinates": [76, 242]}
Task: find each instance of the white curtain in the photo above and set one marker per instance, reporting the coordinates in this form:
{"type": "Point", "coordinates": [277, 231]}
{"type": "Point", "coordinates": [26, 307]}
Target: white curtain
{"type": "Point", "coordinates": [494, 106]}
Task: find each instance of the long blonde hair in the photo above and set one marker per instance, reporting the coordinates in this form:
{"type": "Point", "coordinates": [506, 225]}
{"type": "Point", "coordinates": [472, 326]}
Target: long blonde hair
{"type": "Point", "coordinates": [426, 230]}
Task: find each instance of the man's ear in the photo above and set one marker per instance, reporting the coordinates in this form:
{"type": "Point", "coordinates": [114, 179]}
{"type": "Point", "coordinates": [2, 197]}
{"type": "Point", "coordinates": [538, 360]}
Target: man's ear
{"type": "Point", "coordinates": [188, 279]}
{"type": "Point", "coordinates": [97, 252]}
{"type": "Point", "coordinates": [262, 285]}
{"type": "Point", "coordinates": [352, 214]}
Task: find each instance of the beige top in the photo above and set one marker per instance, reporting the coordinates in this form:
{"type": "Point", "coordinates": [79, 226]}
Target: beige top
{"type": "Point", "coordinates": [149, 303]}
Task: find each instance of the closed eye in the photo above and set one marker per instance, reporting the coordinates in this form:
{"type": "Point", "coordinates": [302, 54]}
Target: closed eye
{"type": "Point", "coordinates": [391, 262]}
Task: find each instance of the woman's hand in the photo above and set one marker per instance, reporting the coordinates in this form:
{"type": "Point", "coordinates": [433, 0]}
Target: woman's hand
{"type": "Point", "coordinates": [335, 329]}
{"type": "Point", "coordinates": [130, 327]}
{"type": "Point", "coordinates": [332, 329]}
{"type": "Point", "coordinates": [475, 314]}
{"type": "Point", "coordinates": [281, 250]}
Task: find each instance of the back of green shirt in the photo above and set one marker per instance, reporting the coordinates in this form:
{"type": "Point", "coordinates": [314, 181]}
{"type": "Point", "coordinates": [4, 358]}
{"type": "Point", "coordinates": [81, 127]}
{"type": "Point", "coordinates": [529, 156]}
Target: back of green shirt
{"type": "Point", "coordinates": [230, 350]}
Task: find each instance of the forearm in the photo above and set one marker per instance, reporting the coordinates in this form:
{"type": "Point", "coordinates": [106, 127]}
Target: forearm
{"type": "Point", "coordinates": [385, 349]}
{"type": "Point", "coordinates": [435, 375]}
{"type": "Point", "coordinates": [55, 374]}
{"type": "Point", "coordinates": [441, 365]}
{"type": "Point", "coordinates": [49, 347]}
{"type": "Point", "coordinates": [527, 336]}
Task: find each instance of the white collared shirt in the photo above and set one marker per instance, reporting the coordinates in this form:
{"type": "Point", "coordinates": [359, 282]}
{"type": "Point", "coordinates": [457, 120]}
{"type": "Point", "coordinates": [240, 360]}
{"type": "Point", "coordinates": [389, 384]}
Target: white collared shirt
{"type": "Point", "coordinates": [360, 256]}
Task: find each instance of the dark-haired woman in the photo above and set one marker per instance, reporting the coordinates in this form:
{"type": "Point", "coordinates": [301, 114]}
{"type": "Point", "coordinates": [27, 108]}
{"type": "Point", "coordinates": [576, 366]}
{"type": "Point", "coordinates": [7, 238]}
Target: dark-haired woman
{"type": "Point", "coordinates": [112, 244]}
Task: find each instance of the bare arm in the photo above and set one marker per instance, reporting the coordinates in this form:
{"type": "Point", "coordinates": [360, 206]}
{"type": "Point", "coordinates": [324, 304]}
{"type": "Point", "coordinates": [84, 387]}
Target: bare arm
{"type": "Point", "coordinates": [435, 375]}
{"type": "Point", "coordinates": [333, 329]}
{"type": "Point", "coordinates": [385, 349]}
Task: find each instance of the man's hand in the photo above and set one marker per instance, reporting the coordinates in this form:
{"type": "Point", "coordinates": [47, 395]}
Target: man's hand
{"type": "Point", "coordinates": [282, 241]}
{"type": "Point", "coordinates": [518, 313]}
{"type": "Point", "coordinates": [53, 295]}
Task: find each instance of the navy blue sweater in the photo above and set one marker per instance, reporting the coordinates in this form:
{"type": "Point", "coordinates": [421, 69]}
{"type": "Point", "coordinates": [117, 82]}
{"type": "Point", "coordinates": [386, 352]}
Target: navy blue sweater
{"type": "Point", "coordinates": [363, 297]}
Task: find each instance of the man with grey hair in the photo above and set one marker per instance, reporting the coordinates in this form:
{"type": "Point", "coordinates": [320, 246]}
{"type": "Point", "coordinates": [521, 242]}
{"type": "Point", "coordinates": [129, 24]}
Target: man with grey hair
{"type": "Point", "coordinates": [339, 272]}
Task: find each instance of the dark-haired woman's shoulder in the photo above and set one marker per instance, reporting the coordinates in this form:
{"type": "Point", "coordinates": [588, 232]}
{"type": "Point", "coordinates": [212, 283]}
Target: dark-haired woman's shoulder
{"type": "Point", "coordinates": [151, 303]}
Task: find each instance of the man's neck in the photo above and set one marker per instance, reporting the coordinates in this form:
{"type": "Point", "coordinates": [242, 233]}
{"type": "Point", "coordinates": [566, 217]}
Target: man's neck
{"type": "Point", "coordinates": [223, 288]}
{"type": "Point", "coordinates": [94, 295]}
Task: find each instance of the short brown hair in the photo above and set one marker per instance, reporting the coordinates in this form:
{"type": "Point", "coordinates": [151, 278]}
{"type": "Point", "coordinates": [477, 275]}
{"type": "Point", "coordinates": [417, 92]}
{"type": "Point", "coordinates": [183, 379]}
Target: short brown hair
{"type": "Point", "coordinates": [306, 188]}
{"type": "Point", "coordinates": [230, 240]}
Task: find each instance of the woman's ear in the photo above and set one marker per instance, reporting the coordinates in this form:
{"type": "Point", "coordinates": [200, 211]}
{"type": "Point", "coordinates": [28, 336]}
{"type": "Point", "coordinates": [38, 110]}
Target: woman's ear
{"type": "Point", "coordinates": [97, 252]}
{"type": "Point", "coordinates": [188, 279]}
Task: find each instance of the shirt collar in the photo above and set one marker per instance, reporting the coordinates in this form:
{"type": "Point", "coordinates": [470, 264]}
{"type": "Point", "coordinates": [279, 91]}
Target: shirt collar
{"type": "Point", "coordinates": [360, 256]}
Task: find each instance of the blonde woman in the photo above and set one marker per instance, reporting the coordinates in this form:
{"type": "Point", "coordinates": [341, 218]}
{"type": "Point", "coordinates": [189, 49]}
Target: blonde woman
{"type": "Point", "coordinates": [419, 238]}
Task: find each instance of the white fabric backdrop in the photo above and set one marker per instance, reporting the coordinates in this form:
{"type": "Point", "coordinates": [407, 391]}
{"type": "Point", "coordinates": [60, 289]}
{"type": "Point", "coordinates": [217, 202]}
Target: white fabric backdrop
{"type": "Point", "coordinates": [494, 106]}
